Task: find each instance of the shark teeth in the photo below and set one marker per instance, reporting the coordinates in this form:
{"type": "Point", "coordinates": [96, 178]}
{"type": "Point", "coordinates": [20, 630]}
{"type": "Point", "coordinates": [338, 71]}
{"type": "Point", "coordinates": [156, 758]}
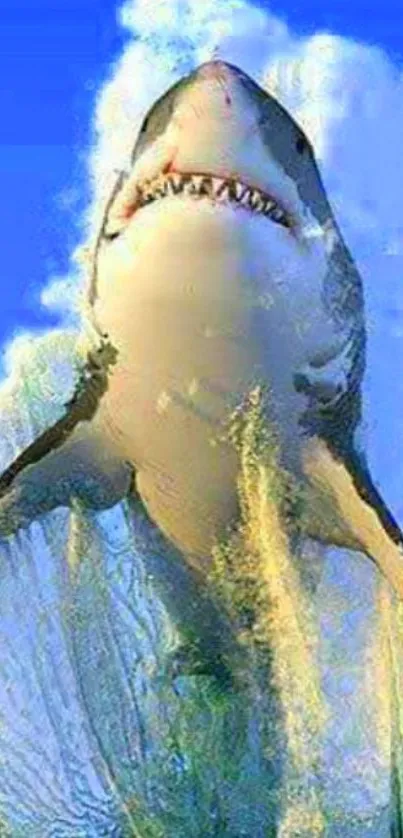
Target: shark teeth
{"type": "Point", "coordinates": [218, 189]}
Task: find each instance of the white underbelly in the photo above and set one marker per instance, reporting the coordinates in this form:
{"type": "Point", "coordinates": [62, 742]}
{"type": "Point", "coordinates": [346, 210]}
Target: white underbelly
{"type": "Point", "coordinates": [194, 333]}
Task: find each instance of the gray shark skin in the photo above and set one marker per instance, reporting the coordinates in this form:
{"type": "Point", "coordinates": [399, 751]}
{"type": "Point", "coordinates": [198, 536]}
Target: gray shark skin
{"type": "Point", "coordinates": [219, 266]}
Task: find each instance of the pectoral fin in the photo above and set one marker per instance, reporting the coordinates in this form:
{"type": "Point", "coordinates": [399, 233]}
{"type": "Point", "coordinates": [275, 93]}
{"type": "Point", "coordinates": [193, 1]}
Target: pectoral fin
{"type": "Point", "coordinates": [72, 458]}
{"type": "Point", "coordinates": [343, 507]}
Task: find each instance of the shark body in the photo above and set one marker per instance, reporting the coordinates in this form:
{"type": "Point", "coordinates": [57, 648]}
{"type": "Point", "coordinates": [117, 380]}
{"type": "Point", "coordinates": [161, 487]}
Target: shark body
{"type": "Point", "coordinates": [219, 266]}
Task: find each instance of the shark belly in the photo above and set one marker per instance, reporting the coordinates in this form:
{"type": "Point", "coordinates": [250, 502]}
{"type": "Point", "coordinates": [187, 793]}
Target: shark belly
{"type": "Point", "coordinates": [194, 335]}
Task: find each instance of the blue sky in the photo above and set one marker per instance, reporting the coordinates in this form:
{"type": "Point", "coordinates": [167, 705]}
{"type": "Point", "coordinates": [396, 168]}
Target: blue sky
{"type": "Point", "coordinates": [53, 57]}
{"type": "Point", "coordinates": [376, 23]}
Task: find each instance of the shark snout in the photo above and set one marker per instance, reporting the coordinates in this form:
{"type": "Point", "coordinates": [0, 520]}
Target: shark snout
{"type": "Point", "coordinates": [217, 71]}
{"type": "Point", "coordinates": [213, 117]}
{"type": "Point", "coordinates": [213, 92]}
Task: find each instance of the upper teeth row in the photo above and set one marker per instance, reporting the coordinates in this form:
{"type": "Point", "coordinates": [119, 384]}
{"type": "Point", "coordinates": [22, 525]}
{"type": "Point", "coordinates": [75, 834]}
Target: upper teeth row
{"type": "Point", "coordinates": [213, 187]}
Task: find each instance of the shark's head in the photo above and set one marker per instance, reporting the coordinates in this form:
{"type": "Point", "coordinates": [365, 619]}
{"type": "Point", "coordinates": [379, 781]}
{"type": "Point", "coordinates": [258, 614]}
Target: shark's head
{"type": "Point", "coordinates": [229, 151]}
{"type": "Point", "coordinates": [217, 133]}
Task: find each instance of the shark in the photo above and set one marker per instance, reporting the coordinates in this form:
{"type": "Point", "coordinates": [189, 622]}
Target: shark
{"type": "Point", "coordinates": [218, 266]}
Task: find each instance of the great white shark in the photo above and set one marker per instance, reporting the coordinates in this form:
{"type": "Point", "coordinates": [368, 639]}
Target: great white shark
{"type": "Point", "coordinates": [219, 265]}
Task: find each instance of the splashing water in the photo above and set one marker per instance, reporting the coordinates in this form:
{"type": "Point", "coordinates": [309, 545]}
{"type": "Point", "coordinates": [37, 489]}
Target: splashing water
{"type": "Point", "coordinates": [90, 637]}
{"type": "Point", "coordinates": [260, 575]}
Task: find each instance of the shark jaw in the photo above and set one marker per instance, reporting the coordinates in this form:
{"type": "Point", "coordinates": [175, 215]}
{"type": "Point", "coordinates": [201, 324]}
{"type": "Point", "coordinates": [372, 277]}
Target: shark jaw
{"type": "Point", "coordinates": [200, 186]}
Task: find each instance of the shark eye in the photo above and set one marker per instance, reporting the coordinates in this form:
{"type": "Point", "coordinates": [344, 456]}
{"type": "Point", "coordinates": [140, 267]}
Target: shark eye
{"type": "Point", "coordinates": [110, 237]}
{"type": "Point", "coordinates": [301, 144]}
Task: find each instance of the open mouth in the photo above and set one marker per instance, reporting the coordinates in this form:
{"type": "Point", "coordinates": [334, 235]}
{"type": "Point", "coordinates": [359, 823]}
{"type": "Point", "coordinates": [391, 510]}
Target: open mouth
{"type": "Point", "coordinates": [197, 185]}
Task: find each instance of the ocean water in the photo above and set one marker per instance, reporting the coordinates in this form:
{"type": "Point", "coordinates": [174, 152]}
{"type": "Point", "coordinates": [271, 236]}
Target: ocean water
{"type": "Point", "coordinates": [95, 741]}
